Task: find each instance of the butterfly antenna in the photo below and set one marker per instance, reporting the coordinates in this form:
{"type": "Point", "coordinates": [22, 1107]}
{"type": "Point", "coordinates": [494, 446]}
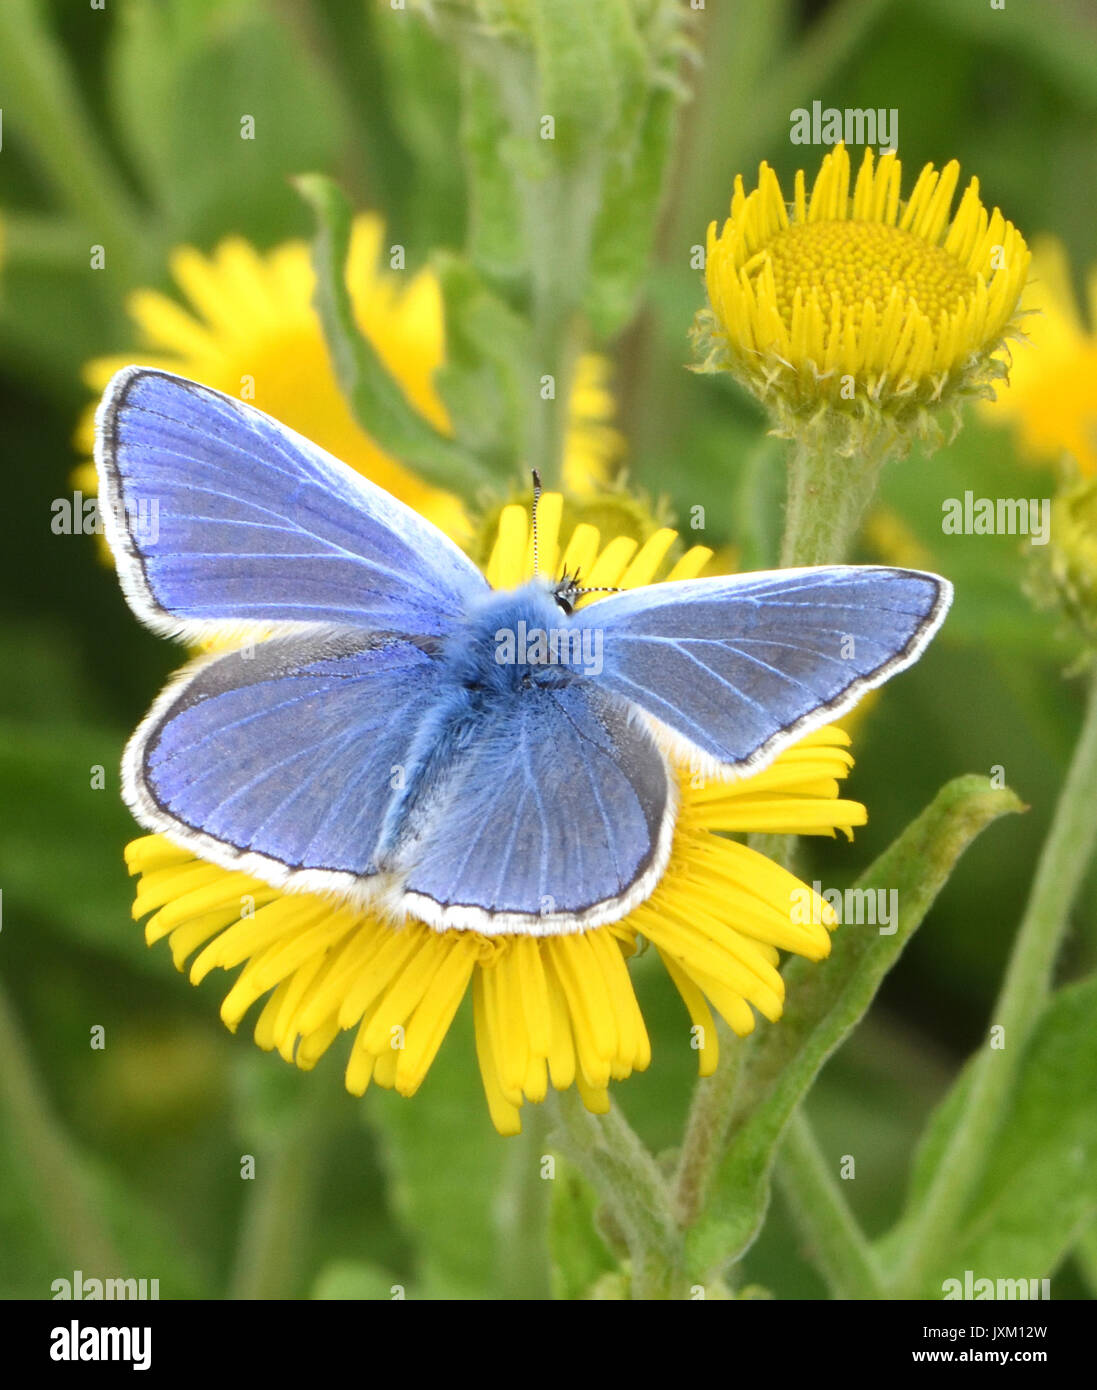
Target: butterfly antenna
{"type": "Point", "coordinates": [570, 586]}
{"type": "Point", "coordinates": [533, 516]}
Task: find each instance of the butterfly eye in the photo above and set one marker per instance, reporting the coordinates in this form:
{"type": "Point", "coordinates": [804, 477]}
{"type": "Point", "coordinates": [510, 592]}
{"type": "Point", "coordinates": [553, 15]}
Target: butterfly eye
{"type": "Point", "coordinates": [562, 602]}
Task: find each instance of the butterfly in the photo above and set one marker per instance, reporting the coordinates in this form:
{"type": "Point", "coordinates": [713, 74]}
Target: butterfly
{"type": "Point", "coordinates": [406, 738]}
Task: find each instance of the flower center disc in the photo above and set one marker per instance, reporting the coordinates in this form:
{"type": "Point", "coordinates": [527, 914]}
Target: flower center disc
{"type": "Point", "coordinates": [861, 261]}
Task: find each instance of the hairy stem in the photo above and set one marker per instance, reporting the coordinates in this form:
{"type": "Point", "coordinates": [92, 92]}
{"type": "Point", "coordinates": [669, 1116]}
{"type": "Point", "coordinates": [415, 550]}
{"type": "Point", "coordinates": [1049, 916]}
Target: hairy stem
{"type": "Point", "coordinates": [837, 1245]}
{"type": "Point", "coordinates": [1025, 990]}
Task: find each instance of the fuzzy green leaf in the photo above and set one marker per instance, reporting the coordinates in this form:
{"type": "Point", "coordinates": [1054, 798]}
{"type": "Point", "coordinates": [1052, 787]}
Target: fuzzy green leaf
{"type": "Point", "coordinates": [446, 1167]}
{"type": "Point", "coordinates": [825, 1002]}
{"type": "Point", "coordinates": [628, 220]}
{"type": "Point", "coordinates": [584, 55]}
{"type": "Point", "coordinates": [579, 1256]}
{"type": "Point", "coordinates": [1039, 1189]}
{"type": "Point", "coordinates": [496, 243]}
{"type": "Point", "coordinates": [488, 378]}
{"type": "Point", "coordinates": [377, 400]}
{"type": "Point", "coordinates": [354, 1281]}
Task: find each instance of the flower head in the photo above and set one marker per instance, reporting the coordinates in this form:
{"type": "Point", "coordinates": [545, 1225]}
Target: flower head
{"type": "Point", "coordinates": [1052, 396]}
{"type": "Point", "coordinates": [853, 312]}
{"type": "Point", "coordinates": [1063, 575]}
{"type": "Point", "coordinates": [251, 330]}
{"type": "Point", "coordinates": [556, 1010]}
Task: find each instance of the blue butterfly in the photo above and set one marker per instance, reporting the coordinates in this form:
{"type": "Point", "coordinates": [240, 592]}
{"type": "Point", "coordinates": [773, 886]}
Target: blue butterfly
{"type": "Point", "coordinates": [407, 738]}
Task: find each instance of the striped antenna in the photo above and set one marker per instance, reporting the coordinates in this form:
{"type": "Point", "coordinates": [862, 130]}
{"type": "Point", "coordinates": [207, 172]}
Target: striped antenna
{"type": "Point", "coordinates": [533, 518]}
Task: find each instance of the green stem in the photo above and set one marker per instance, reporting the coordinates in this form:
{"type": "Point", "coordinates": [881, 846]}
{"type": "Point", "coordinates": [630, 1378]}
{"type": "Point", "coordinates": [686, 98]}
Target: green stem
{"type": "Point", "coordinates": [44, 112]}
{"type": "Point", "coordinates": [1063, 860]}
{"type": "Point", "coordinates": [707, 1127]}
{"type": "Point", "coordinates": [523, 1214]}
{"type": "Point", "coordinates": [827, 497]}
{"type": "Point", "coordinates": [557, 334]}
{"type": "Point", "coordinates": [55, 1166]}
{"type": "Point", "coordinates": [837, 1243]}
{"type": "Point", "coordinates": [619, 1167]}
{"type": "Point", "coordinates": [560, 222]}
{"type": "Point", "coordinates": [275, 1225]}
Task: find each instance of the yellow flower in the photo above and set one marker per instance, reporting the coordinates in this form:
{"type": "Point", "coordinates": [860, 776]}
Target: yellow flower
{"type": "Point", "coordinates": [251, 331]}
{"type": "Point", "coordinates": [554, 1009]}
{"type": "Point", "coordinates": [592, 444]}
{"type": "Point", "coordinates": [1052, 396]}
{"type": "Point", "coordinates": [854, 311]}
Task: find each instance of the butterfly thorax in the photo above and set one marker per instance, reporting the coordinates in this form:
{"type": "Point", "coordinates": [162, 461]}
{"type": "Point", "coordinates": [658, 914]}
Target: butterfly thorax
{"type": "Point", "coordinates": [514, 649]}
{"type": "Point", "coordinates": [520, 640]}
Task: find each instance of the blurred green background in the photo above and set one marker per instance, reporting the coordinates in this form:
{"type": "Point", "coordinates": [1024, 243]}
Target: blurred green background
{"type": "Point", "coordinates": [121, 126]}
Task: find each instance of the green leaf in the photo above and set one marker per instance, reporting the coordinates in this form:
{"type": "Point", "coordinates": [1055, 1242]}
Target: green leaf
{"type": "Point", "coordinates": [628, 220]}
{"type": "Point", "coordinates": [583, 57]}
{"type": "Point", "coordinates": [445, 1166]}
{"type": "Point", "coordinates": [496, 242]}
{"type": "Point", "coordinates": [217, 64]}
{"type": "Point", "coordinates": [1039, 1190]}
{"type": "Point", "coordinates": [419, 99]}
{"type": "Point", "coordinates": [825, 1002]}
{"type": "Point", "coordinates": [354, 1281]}
{"type": "Point", "coordinates": [610, 85]}
{"type": "Point", "coordinates": [579, 1256]}
{"type": "Point", "coordinates": [485, 382]}
{"type": "Point", "coordinates": [379, 404]}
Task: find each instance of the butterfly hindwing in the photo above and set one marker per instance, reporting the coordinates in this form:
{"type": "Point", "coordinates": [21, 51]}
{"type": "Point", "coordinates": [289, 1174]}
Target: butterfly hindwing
{"type": "Point", "coordinates": [556, 815]}
{"type": "Point", "coordinates": [216, 513]}
{"type": "Point", "coordinates": [739, 667]}
{"type": "Point", "coordinates": [282, 760]}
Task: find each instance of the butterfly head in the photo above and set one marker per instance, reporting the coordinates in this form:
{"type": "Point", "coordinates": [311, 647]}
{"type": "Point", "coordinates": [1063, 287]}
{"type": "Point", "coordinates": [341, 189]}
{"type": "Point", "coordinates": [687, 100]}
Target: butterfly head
{"type": "Point", "coordinates": [566, 591]}
{"type": "Point", "coordinates": [523, 639]}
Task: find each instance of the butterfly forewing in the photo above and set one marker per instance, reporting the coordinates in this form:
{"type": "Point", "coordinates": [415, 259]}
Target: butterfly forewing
{"type": "Point", "coordinates": [218, 514]}
{"type": "Point", "coordinates": [739, 667]}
